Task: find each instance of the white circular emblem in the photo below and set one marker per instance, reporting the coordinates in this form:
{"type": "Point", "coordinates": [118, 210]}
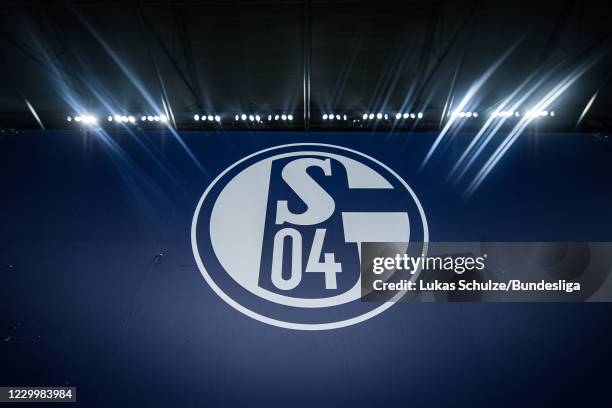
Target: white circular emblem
{"type": "Point", "coordinates": [277, 234]}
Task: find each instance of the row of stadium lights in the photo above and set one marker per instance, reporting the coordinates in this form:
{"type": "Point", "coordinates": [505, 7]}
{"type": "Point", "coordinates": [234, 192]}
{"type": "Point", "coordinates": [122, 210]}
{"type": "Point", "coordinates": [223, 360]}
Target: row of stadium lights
{"type": "Point", "coordinates": [91, 119]}
{"type": "Point", "coordinates": [529, 114]}
{"type": "Point", "coordinates": [398, 116]}
{"type": "Point", "coordinates": [332, 116]}
{"type": "Point", "coordinates": [256, 118]}
{"type": "Point", "coordinates": [204, 118]}
{"type": "Point", "coordinates": [143, 118]}
{"type": "Point", "coordinates": [463, 114]}
{"type": "Point", "coordinates": [506, 114]}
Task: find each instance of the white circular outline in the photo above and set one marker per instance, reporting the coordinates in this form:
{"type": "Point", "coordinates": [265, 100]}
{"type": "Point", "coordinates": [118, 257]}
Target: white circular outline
{"type": "Point", "coordinates": [282, 323]}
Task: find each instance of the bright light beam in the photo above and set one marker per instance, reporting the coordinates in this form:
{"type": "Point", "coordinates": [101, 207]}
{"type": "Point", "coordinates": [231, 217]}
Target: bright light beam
{"type": "Point", "coordinates": [496, 128]}
{"type": "Point", "coordinates": [586, 109]}
{"type": "Point", "coordinates": [544, 103]}
{"type": "Point", "coordinates": [467, 98]}
{"type": "Point", "coordinates": [35, 114]}
{"type": "Point", "coordinates": [141, 89]}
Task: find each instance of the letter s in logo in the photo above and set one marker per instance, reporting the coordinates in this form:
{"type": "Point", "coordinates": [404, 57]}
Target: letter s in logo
{"type": "Point", "coordinates": [320, 204]}
{"type": "Point", "coordinates": [277, 235]}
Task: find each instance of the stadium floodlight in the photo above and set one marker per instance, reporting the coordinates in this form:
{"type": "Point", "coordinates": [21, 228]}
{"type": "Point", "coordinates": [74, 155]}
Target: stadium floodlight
{"type": "Point", "coordinates": [87, 119]}
{"type": "Point", "coordinates": [544, 113]}
{"type": "Point", "coordinates": [243, 116]}
{"type": "Point", "coordinates": [475, 114]}
{"type": "Point", "coordinates": [150, 118]}
{"type": "Point", "coordinates": [196, 117]}
{"type": "Point", "coordinates": [124, 118]}
{"type": "Point", "coordinates": [420, 115]}
{"type": "Point", "coordinates": [338, 117]}
{"type": "Point", "coordinates": [462, 114]}
{"type": "Point", "coordinates": [251, 118]}
{"type": "Point", "coordinates": [379, 115]}
{"type": "Point", "coordinates": [365, 116]}
{"type": "Point", "coordinates": [325, 116]}
{"type": "Point", "coordinates": [131, 119]}
{"type": "Point", "coordinates": [143, 118]}
{"type": "Point", "coordinates": [110, 118]}
{"type": "Point", "coordinates": [236, 117]}
{"type": "Point", "coordinates": [552, 113]}
{"type": "Point", "coordinates": [398, 115]}
{"type": "Point", "coordinates": [217, 118]}
{"type": "Point", "coordinates": [69, 119]}
{"type": "Point", "coordinates": [345, 117]}
{"type": "Point", "coordinates": [284, 117]}
{"type": "Point", "coordinates": [406, 115]}
{"type": "Point", "coordinates": [371, 116]}
{"type": "Point", "coordinates": [290, 117]}
{"type": "Point", "coordinates": [163, 118]}
{"type": "Point", "coordinates": [276, 117]}
{"type": "Point", "coordinates": [269, 118]}
{"type": "Point", "coordinates": [211, 118]}
{"type": "Point", "coordinates": [412, 116]}
{"type": "Point", "coordinates": [156, 118]}
{"type": "Point", "coordinates": [468, 114]}
{"type": "Point", "coordinates": [257, 118]}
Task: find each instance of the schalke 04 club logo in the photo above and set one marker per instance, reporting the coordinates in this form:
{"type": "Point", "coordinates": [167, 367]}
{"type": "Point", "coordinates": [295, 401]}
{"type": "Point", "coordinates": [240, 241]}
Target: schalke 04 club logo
{"type": "Point", "coordinates": [277, 235]}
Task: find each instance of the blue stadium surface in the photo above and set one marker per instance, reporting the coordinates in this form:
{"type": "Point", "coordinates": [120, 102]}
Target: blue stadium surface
{"type": "Point", "coordinates": [99, 288]}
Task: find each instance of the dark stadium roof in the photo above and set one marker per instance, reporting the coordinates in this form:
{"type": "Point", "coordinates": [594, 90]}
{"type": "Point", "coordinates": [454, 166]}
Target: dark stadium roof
{"type": "Point", "coordinates": [229, 57]}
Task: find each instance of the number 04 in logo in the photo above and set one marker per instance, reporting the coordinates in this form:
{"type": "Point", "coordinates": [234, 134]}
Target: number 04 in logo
{"type": "Point", "coordinates": [277, 235]}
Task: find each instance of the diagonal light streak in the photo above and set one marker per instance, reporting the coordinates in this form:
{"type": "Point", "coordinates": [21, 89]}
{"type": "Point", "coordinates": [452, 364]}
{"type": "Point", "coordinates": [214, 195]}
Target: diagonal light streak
{"type": "Point", "coordinates": [489, 136]}
{"type": "Point", "coordinates": [544, 103]}
{"type": "Point", "coordinates": [586, 109]}
{"type": "Point", "coordinates": [467, 98]}
{"type": "Point", "coordinates": [35, 114]}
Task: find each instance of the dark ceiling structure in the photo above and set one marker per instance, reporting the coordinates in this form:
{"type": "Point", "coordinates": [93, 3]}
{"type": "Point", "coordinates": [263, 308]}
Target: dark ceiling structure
{"type": "Point", "coordinates": [307, 59]}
